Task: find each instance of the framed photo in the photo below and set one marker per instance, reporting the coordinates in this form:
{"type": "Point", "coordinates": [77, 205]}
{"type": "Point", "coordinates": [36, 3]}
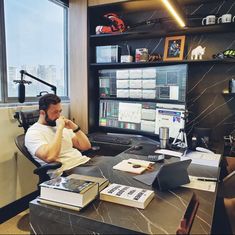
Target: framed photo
{"type": "Point", "coordinates": [174, 48]}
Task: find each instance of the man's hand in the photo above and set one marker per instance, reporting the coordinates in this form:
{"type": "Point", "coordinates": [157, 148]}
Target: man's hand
{"type": "Point", "coordinates": [70, 124]}
{"type": "Point", "coordinates": [61, 122]}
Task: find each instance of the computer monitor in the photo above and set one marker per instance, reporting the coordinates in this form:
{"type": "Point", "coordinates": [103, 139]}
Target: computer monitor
{"type": "Point", "coordinates": [141, 117]}
{"type": "Point", "coordinates": [142, 100]}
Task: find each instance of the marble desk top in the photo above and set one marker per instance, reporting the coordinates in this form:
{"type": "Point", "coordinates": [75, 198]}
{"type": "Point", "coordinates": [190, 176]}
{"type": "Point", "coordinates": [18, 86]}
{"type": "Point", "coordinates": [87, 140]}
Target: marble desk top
{"type": "Point", "coordinates": [162, 215]}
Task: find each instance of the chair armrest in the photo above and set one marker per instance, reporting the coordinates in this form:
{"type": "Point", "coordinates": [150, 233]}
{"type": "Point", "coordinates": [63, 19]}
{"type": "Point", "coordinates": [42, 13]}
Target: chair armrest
{"type": "Point", "coordinates": [49, 166]}
{"type": "Point", "coordinates": [228, 188]}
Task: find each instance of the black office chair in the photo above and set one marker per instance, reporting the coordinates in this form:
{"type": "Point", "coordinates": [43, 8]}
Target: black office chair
{"type": "Point", "coordinates": [26, 119]}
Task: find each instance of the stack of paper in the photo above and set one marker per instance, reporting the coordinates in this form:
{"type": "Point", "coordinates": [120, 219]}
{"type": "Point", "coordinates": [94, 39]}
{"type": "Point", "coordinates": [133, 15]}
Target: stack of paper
{"type": "Point", "coordinates": [196, 183]}
{"type": "Point", "coordinates": [201, 158]}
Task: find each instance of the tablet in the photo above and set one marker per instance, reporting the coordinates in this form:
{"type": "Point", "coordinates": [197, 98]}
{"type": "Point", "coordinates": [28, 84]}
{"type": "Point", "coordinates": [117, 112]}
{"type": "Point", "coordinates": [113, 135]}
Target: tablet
{"type": "Point", "coordinates": [169, 176]}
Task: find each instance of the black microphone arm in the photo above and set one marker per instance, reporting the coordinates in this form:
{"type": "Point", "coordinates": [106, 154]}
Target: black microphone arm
{"type": "Point", "coordinates": [23, 72]}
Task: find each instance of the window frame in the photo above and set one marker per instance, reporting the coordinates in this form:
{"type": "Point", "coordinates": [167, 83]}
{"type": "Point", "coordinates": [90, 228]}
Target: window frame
{"type": "Point", "coordinates": [5, 99]}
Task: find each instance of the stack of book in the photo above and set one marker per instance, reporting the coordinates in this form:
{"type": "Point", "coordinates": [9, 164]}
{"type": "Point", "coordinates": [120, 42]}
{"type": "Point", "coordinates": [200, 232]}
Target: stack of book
{"type": "Point", "coordinates": [72, 192]}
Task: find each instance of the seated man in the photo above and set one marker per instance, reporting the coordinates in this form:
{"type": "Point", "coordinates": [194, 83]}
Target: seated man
{"type": "Point", "coordinates": [55, 138]}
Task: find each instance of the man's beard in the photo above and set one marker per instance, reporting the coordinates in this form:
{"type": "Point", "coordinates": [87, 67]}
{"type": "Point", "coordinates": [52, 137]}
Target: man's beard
{"type": "Point", "coordinates": [49, 121]}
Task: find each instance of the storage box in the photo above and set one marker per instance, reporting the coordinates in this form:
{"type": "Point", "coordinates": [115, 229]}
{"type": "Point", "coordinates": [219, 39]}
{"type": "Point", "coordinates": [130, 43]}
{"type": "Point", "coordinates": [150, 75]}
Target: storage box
{"type": "Point", "coordinates": [107, 54]}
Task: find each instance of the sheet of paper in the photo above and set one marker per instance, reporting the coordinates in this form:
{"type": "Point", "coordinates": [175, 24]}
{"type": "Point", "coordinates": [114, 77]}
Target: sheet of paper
{"type": "Point", "coordinates": [200, 158]}
{"type": "Point", "coordinates": [201, 185]}
{"type": "Point", "coordinates": [169, 152]}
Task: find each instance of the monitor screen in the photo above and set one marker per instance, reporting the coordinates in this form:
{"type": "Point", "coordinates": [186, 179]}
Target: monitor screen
{"type": "Point", "coordinates": [143, 100]}
{"type": "Point", "coordinates": [141, 117]}
{"type": "Point", "coordinates": [154, 83]}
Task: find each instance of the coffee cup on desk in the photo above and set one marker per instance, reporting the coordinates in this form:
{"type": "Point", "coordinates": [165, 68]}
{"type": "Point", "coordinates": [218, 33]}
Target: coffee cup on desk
{"type": "Point", "coordinates": [226, 18]}
{"type": "Point", "coordinates": [208, 20]}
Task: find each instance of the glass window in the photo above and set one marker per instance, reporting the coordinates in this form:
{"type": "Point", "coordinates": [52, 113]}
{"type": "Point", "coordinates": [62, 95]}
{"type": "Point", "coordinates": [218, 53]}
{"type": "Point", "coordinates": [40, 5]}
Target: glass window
{"type": "Point", "coordinates": [36, 41]}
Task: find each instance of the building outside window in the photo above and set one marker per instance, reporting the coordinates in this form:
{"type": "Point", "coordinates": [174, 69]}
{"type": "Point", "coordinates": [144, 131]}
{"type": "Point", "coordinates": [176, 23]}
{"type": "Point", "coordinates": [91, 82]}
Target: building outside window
{"type": "Point", "coordinates": [36, 41]}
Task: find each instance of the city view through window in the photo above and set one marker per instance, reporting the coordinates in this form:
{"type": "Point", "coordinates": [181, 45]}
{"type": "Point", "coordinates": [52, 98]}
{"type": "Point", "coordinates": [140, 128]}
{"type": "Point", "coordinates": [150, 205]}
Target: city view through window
{"type": "Point", "coordinates": [36, 42]}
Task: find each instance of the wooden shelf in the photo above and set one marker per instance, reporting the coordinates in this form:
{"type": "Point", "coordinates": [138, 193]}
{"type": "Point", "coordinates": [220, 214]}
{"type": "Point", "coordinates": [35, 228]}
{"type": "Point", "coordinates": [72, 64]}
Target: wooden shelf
{"type": "Point", "coordinates": [219, 28]}
{"type": "Point", "coordinates": [157, 63]}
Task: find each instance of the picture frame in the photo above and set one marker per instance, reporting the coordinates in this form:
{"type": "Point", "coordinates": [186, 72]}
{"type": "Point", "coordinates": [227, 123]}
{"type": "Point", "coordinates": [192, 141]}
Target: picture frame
{"type": "Point", "coordinates": [174, 48]}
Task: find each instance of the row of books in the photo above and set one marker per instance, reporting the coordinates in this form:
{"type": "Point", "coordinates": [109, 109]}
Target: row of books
{"type": "Point", "coordinates": [76, 191]}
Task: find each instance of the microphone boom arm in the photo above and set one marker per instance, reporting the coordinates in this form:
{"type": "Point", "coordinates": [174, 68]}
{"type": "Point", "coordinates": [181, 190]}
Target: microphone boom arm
{"type": "Point", "coordinates": [53, 88]}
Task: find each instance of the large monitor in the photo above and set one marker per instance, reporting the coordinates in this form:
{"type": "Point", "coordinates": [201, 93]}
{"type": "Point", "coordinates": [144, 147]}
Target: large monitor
{"type": "Point", "coordinates": [141, 117]}
{"type": "Point", "coordinates": [142, 100]}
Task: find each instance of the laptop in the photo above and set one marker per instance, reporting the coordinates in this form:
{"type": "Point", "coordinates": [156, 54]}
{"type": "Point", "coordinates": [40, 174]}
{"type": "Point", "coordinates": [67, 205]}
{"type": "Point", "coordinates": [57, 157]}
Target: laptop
{"type": "Point", "coordinates": [169, 176]}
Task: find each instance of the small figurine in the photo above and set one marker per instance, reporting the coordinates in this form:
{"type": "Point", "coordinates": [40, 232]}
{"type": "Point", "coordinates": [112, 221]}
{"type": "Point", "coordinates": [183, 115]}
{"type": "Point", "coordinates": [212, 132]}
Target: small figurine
{"type": "Point", "coordinates": [198, 52]}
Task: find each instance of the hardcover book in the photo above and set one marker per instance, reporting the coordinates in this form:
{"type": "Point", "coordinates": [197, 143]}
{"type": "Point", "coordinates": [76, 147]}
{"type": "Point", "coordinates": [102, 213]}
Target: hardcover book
{"type": "Point", "coordinates": [127, 195]}
{"type": "Point", "coordinates": [103, 182]}
{"type": "Point", "coordinates": [59, 204]}
{"type": "Point", "coordinates": [69, 191]}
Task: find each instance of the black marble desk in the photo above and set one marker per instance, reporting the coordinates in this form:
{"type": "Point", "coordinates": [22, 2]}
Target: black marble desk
{"type": "Point", "coordinates": [162, 215]}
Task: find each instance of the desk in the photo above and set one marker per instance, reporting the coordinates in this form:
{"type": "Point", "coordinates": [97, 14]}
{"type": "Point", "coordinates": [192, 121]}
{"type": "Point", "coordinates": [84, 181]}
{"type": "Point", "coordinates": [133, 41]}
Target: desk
{"type": "Point", "coordinates": [162, 215]}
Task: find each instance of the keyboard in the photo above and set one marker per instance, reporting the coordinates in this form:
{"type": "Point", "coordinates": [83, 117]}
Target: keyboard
{"type": "Point", "coordinates": [111, 139]}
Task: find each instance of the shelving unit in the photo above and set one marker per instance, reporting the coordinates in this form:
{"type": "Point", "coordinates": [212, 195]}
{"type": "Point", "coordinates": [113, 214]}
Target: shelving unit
{"type": "Point", "coordinates": [99, 39]}
{"type": "Point", "coordinates": [157, 63]}
{"type": "Point", "coordinates": [205, 75]}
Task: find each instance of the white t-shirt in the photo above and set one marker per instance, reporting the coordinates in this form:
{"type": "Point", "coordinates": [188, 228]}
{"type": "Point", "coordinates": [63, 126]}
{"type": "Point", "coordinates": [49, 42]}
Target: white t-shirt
{"type": "Point", "coordinates": [39, 134]}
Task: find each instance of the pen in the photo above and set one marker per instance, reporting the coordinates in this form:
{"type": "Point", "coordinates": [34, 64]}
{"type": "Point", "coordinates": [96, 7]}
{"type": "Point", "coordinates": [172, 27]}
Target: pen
{"type": "Point", "coordinates": [208, 179]}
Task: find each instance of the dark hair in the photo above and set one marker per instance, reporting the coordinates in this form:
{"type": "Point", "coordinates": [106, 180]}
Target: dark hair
{"type": "Point", "coordinates": [46, 100]}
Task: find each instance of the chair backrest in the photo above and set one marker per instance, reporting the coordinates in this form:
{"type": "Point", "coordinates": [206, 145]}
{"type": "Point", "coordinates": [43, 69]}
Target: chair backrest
{"type": "Point", "coordinates": [20, 143]}
{"type": "Point", "coordinates": [27, 118]}
{"type": "Point", "coordinates": [189, 216]}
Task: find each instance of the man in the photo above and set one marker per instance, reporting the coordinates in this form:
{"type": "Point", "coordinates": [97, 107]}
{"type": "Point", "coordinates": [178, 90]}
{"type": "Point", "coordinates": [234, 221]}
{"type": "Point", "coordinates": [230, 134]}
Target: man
{"type": "Point", "coordinates": [55, 138]}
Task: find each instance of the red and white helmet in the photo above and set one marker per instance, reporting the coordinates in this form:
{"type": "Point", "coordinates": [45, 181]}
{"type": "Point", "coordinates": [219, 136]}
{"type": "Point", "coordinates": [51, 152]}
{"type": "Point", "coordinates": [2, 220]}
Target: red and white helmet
{"type": "Point", "coordinates": [116, 25]}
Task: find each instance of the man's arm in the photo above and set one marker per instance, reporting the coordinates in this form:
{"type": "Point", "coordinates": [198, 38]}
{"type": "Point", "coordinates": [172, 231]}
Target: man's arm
{"type": "Point", "coordinates": [80, 140]}
{"type": "Point", "coordinates": [50, 152]}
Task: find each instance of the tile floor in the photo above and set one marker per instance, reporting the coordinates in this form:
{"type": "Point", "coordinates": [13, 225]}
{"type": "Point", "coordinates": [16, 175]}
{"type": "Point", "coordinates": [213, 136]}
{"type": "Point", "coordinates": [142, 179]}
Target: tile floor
{"type": "Point", "coordinates": [16, 225]}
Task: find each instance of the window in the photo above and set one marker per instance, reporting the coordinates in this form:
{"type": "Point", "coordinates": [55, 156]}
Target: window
{"type": "Point", "coordinates": [36, 41]}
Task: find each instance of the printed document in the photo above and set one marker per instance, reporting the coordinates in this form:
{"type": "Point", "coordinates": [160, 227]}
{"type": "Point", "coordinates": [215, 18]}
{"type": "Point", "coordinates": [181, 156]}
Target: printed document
{"type": "Point", "coordinates": [201, 185]}
{"type": "Point", "coordinates": [201, 158]}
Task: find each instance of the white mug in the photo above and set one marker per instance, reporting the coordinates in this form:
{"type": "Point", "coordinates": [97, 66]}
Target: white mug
{"type": "Point", "coordinates": [209, 20]}
{"type": "Point", "coordinates": [226, 18]}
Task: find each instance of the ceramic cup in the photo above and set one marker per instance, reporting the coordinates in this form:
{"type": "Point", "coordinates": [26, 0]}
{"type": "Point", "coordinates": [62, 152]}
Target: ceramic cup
{"type": "Point", "coordinates": [226, 18]}
{"type": "Point", "coordinates": [210, 19]}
